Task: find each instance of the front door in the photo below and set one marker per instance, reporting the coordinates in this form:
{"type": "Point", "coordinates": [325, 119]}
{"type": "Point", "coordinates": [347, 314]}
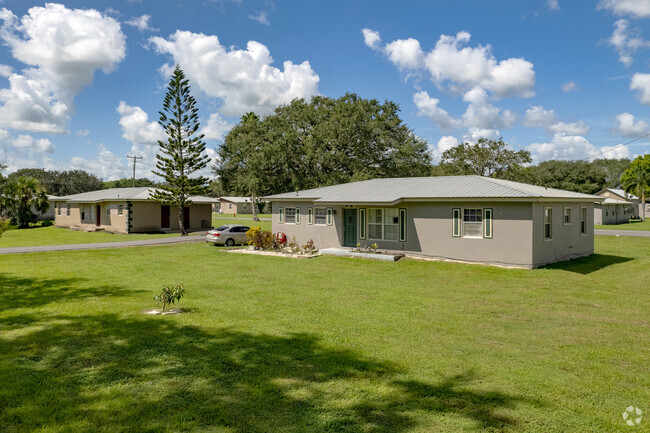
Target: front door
{"type": "Point", "coordinates": [186, 218]}
{"type": "Point", "coordinates": [98, 215]}
{"type": "Point", "coordinates": [164, 217]}
{"type": "Point", "coordinates": [349, 227]}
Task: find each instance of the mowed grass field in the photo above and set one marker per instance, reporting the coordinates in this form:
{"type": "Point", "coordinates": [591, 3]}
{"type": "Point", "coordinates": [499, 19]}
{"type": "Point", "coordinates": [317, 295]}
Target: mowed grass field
{"type": "Point", "coordinates": [632, 225]}
{"type": "Point", "coordinates": [323, 345]}
{"type": "Point", "coordinates": [62, 236]}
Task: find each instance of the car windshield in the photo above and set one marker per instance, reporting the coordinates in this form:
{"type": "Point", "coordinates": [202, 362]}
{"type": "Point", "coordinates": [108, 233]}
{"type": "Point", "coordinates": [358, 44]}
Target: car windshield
{"type": "Point", "coordinates": [222, 228]}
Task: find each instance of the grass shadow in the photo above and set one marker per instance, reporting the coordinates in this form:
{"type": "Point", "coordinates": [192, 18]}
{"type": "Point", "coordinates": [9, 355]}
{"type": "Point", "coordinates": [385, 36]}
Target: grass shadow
{"type": "Point", "coordinates": [88, 373]}
{"type": "Point", "coordinates": [18, 292]}
{"type": "Point", "coordinates": [589, 264]}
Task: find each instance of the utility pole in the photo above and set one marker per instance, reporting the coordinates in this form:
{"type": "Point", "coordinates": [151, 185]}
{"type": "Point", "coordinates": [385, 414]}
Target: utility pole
{"type": "Point", "coordinates": [135, 159]}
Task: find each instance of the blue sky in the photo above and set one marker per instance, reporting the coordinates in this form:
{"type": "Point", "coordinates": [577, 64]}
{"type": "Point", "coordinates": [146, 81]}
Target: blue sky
{"type": "Point", "coordinates": [81, 82]}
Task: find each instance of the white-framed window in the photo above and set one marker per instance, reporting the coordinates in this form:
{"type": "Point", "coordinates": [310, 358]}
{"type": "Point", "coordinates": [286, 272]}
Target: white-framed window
{"type": "Point", "coordinates": [362, 223]}
{"type": "Point", "coordinates": [383, 224]}
{"type": "Point", "coordinates": [229, 205]}
{"type": "Point", "coordinates": [567, 216]}
{"type": "Point", "coordinates": [120, 209]}
{"type": "Point", "coordinates": [583, 220]}
{"type": "Point", "coordinates": [67, 209]}
{"type": "Point", "coordinates": [320, 216]}
{"type": "Point", "coordinates": [330, 216]}
{"type": "Point", "coordinates": [290, 215]}
{"type": "Point", "coordinates": [548, 223]}
{"type": "Point", "coordinates": [108, 209]}
{"type": "Point", "coordinates": [473, 223]}
{"type": "Point", "coordinates": [58, 209]}
{"type": "Point", "coordinates": [310, 215]}
{"type": "Point", "coordinates": [281, 215]}
{"type": "Point", "coordinates": [297, 215]}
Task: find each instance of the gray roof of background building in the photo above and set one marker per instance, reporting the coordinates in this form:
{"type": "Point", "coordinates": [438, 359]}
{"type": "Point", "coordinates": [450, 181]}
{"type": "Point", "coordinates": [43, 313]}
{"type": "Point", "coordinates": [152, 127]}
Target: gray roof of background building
{"type": "Point", "coordinates": [622, 193]}
{"type": "Point", "coordinates": [123, 194]}
{"type": "Point", "coordinates": [393, 190]}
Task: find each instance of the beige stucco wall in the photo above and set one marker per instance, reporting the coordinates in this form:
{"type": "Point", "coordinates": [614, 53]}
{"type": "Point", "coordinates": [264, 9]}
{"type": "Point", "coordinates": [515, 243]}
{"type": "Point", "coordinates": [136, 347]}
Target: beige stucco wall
{"type": "Point", "coordinates": [612, 213]}
{"type": "Point", "coordinates": [64, 220]}
{"type": "Point", "coordinates": [145, 217]}
{"type": "Point", "coordinates": [567, 242]}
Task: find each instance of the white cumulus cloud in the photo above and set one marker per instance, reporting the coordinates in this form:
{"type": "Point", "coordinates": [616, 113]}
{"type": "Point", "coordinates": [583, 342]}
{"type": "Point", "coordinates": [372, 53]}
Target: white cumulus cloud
{"type": "Point", "coordinates": [451, 62]}
{"type": "Point", "coordinates": [216, 127]}
{"type": "Point", "coordinates": [371, 38]}
{"type": "Point", "coordinates": [569, 86]}
{"type": "Point", "coordinates": [538, 117]}
{"type": "Point", "coordinates": [571, 147]}
{"type": "Point", "coordinates": [553, 5]}
{"type": "Point", "coordinates": [405, 53]}
{"type": "Point", "coordinates": [244, 79]}
{"type": "Point", "coordinates": [41, 145]}
{"type": "Point", "coordinates": [628, 127]}
{"type": "Point", "coordinates": [63, 48]}
{"type": "Point", "coordinates": [632, 8]}
{"type": "Point", "coordinates": [261, 18]}
{"type": "Point", "coordinates": [136, 127]}
{"type": "Point", "coordinates": [641, 83]}
{"type": "Point", "coordinates": [428, 106]}
{"type": "Point", "coordinates": [626, 41]}
{"type": "Point", "coordinates": [141, 23]}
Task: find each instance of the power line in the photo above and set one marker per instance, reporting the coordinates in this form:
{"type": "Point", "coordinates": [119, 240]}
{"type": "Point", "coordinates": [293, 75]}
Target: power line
{"type": "Point", "coordinates": [615, 147]}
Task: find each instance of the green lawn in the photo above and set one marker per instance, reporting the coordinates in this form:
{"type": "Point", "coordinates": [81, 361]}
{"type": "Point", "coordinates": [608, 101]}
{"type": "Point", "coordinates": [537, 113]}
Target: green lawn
{"type": "Point", "coordinates": [243, 216]}
{"type": "Point", "coordinates": [219, 221]}
{"type": "Point", "coordinates": [328, 344]}
{"type": "Point", "coordinates": [62, 236]}
{"type": "Point", "coordinates": [634, 225]}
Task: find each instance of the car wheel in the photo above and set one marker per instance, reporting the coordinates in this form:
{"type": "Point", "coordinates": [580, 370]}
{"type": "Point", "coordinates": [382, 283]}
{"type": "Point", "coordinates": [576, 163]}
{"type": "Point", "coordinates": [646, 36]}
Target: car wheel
{"type": "Point", "coordinates": [230, 242]}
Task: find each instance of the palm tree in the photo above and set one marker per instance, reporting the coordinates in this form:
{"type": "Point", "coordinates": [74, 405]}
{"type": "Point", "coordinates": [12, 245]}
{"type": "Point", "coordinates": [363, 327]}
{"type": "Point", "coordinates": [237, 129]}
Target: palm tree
{"type": "Point", "coordinates": [20, 196]}
{"type": "Point", "coordinates": [636, 179]}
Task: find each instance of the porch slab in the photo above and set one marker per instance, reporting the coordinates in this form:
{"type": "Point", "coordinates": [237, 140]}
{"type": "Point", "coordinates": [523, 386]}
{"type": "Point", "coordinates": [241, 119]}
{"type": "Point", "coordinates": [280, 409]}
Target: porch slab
{"type": "Point", "coordinates": [342, 252]}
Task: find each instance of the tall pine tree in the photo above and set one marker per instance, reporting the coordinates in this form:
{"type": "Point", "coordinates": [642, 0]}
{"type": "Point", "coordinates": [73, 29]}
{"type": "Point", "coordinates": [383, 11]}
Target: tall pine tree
{"type": "Point", "coordinates": [184, 151]}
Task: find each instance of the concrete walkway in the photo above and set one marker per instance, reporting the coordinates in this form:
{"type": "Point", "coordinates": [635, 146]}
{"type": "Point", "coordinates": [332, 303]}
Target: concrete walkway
{"type": "Point", "coordinates": [635, 233]}
{"type": "Point", "coordinates": [97, 246]}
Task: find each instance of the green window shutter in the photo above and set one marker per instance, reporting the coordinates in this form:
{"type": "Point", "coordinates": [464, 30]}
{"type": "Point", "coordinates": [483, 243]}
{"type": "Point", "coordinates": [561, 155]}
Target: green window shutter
{"type": "Point", "coordinates": [455, 230]}
{"type": "Point", "coordinates": [280, 215]}
{"type": "Point", "coordinates": [362, 223]}
{"type": "Point", "coordinates": [297, 215]}
{"type": "Point", "coordinates": [310, 215]}
{"type": "Point", "coordinates": [330, 217]}
{"type": "Point", "coordinates": [487, 223]}
{"type": "Point", "coordinates": [402, 225]}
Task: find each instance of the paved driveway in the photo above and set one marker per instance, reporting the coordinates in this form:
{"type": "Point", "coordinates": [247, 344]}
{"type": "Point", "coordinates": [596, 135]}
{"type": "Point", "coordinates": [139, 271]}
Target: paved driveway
{"type": "Point", "coordinates": [635, 233]}
{"type": "Point", "coordinates": [73, 247]}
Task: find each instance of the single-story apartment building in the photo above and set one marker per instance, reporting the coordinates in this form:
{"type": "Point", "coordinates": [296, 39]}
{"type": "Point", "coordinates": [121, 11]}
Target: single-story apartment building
{"type": "Point", "coordinates": [236, 205]}
{"type": "Point", "coordinates": [613, 211]}
{"type": "Point", "coordinates": [630, 209]}
{"type": "Point", "coordinates": [128, 210]}
{"type": "Point", "coordinates": [462, 218]}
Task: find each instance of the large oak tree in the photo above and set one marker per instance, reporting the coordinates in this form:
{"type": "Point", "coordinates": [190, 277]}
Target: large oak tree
{"type": "Point", "coordinates": [319, 143]}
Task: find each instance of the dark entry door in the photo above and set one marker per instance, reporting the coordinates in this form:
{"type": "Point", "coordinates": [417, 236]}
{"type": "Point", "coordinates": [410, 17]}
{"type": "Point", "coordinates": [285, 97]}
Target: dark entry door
{"type": "Point", "coordinates": [186, 218]}
{"type": "Point", "coordinates": [349, 227]}
{"type": "Point", "coordinates": [98, 215]}
{"type": "Point", "coordinates": [164, 217]}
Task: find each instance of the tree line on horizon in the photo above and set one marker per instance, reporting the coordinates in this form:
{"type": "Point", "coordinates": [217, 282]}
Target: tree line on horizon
{"type": "Point", "coordinates": [328, 141]}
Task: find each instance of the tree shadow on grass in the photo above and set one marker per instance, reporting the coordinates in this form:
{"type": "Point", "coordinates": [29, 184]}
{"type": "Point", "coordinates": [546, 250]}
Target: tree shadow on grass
{"type": "Point", "coordinates": [90, 373]}
{"type": "Point", "coordinates": [31, 292]}
{"type": "Point", "coordinates": [589, 264]}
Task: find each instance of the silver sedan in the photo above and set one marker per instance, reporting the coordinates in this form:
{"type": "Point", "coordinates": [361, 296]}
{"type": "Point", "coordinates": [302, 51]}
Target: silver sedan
{"type": "Point", "coordinates": [228, 235]}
